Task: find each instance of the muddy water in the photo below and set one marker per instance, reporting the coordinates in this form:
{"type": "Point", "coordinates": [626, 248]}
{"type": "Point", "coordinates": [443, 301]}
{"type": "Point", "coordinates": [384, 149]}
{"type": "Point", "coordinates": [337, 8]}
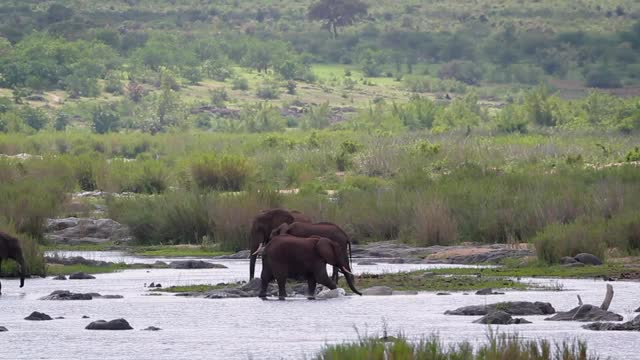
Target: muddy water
{"type": "Point", "coordinates": [255, 329]}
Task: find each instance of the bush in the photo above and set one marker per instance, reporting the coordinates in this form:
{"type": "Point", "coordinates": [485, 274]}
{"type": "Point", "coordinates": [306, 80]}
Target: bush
{"type": "Point", "coordinates": [582, 236]}
{"type": "Point", "coordinates": [432, 223]}
{"type": "Point", "coordinates": [465, 71]}
{"type": "Point", "coordinates": [224, 173]}
{"type": "Point", "coordinates": [219, 97]}
{"type": "Point", "coordinates": [142, 176]}
{"type": "Point", "coordinates": [240, 83]}
{"type": "Point", "coordinates": [105, 119]}
{"type": "Point", "coordinates": [603, 77]}
{"type": "Point", "coordinates": [35, 118]}
{"type": "Point", "coordinates": [268, 90]}
{"type": "Point", "coordinates": [33, 256]}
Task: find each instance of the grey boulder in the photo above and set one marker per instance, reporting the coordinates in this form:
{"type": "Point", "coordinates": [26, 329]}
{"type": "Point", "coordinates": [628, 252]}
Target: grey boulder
{"type": "Point", "coordinates": [3, 329]}
{"type": "Point", "coordinates": [38, 316]}
{"type": "Point", "coordinates": [588, 259]}
{"type": "Point", "coordinates": [152, 328]}
{"type": "Point", "coordinates": [586, 313]}
{"type": "Point", "coordinates": [59, 277]}
{"type": "Point", "coordinates": [500, 318]}
{"type": "Point", "coordinates": [81, 276]}
{"type": "Point", "coordinates": [638, 309]}
{"type": "Point", "coordinates": [66, 295]}
{"type": "Point", "coordinates": [331, 294]}
{"type": "Point", "coordinates": [378, 291]}
{"type": "Point", "coordinates": [85, 231]}
{"type": "Point", "coordinates": [521, 308]}
{"type": "Point", "coordinates": [488, 291]}
{"type": "Point", "coordinates": [633, 325]}
{"type": "Point", "coordinates": [194, 264]}
{"type": "Point", "coordinates": [117, 324]}
{"type": "Point", "coordinates": [568, 260]}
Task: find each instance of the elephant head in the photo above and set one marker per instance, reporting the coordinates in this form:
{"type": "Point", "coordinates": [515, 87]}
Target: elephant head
{"type": "Point", "coordinates": [335, 255]}
{"type": "Point", "coordinates": [10, 249]}
{"type": "Point", "coordinates": [262, 226]}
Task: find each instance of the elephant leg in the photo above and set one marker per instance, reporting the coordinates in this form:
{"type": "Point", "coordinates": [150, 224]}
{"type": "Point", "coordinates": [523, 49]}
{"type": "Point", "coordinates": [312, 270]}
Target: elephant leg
{"type": "Point", "coordinates": [335, 275]}
{"type": "Point", "coordinates": [252, 265]}
{"type": "Point", "coordinates": [311, 288]}
{"type": "Point", "coordinates": [265, 279]}
{"type": "Point", "coordinates": [323, 278]}
{"type": "Point", "coordinates": [282, 287]}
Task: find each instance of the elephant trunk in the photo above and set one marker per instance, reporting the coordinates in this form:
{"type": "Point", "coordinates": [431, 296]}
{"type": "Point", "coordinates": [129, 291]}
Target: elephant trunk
{"type": "Point", "coordinates": [350, 279]}
{"type": "Point", "coordinates": [23, 270]}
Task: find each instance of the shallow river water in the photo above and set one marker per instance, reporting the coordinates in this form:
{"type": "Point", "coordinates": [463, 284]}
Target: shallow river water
{"type": "Point", "coordinates": [254, 329]}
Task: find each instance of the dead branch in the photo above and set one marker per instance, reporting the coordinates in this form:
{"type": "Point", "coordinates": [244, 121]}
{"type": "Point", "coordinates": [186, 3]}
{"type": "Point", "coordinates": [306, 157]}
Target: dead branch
{"type": "Point", "coordinates": [607, 299]}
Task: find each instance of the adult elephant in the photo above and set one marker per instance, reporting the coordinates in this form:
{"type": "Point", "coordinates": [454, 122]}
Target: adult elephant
{"type": "Point", "coordinates": [10, 249]}
{"type": "Point", "coordinates": [323, 229]}
{"type": "Point", "coordinates": [287, 256]}
{"type": "Point", "coordinates": [262, 226]}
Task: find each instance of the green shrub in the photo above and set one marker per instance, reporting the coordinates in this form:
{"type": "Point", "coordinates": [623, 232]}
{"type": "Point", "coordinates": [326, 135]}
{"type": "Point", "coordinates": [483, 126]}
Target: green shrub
{"type": "Point", "coordinates": [240, 83]}
{"type": "Point", "coordinates": [268, 90]}
{"type": "Point", "coordinates": [225, 173]}
{"type": "Point", "coordinates": [582, 236]}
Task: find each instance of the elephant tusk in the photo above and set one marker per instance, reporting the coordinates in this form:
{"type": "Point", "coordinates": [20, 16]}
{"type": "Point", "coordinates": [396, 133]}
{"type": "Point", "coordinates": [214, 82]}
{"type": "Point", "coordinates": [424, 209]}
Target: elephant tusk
{"type": "Point", "coordinates": [344, 269]}
{"type": "Point", "coordinates": [259, 249]}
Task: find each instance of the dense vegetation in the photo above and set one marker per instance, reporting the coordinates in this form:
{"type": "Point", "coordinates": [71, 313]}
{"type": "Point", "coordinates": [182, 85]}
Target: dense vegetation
{"type": "Point", "coordinates": [433, 123]}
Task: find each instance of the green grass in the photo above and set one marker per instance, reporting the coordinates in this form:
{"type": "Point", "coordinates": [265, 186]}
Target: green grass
{"type": "Point", "coordinates": [496, 347]}
{"type": "Point", "coordinates": [177, 251]}
{"type": "Point", "coordinates": [201, 288]}
{"type": "Point", "coordinates": [537, 271]}
{"type": "Point", "coordinates": [80, 247]}
{"type": "Point", "coordinates": [417, 281]}
{"type": "Point", "coordinates": [56, 269]}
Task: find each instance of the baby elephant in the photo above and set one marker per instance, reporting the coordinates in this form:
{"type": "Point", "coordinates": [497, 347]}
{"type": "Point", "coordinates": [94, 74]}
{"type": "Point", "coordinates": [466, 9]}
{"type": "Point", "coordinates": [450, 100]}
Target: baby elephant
{"type": "Point", "coordinates": [287, 256]}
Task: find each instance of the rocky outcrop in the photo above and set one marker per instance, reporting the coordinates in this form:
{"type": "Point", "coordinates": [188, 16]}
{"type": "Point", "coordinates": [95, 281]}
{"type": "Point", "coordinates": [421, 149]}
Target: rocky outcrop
{"type": "Point", "coordinates": [38, 316]}
{"type": "Point", "coordinates": [521, 308]}
{"type": "Point", "coordinates": [586, 313]}
{"type": "Point", "coordinates": [59, 277]}
{"type": "Point", "coordinates": [500, 318]}
{"type": "Point", "coordinates": [377, 291]}
{"type": "Point", "coordinates": [240, 255]}
{"type": "Point", "coordinates": [67, 295]}
{"type": "Point", "coordinates": [86, 231]}
{"type": "Point", "coordinates": [75, 260]}
{"type": "Point", "coordinates": [81, 276]}
{"type": "Point", "coordinates": [194, 264]}
{"type": "Point", "coordinates": [117, 324]}
{"type": "Point", "coordinates": [567, 260]}
{"type": "Point", "coordinates": [588, 259]}
{"type": "Point", "coordinates": [633, 325]}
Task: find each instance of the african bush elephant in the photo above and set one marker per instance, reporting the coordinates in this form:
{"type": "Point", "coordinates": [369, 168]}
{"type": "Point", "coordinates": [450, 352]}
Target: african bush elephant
{"type": "Point", "coordinates": [323, 229]}
{"type": "Point", "coordinates": [262, 226]}
{"type": "Point", "coordinates": [287, 256]}
{"type": "Point", "coordinates": [10, 249]}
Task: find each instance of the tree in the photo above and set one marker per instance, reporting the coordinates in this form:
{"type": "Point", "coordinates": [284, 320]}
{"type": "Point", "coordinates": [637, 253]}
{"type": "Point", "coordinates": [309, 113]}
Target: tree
{"type": "Point", "coordinates": [335, 13]}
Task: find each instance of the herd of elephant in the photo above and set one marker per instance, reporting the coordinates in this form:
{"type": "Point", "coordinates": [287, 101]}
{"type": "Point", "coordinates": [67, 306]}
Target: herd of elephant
{"type": "Point", "coordinates": [291, 247]}
{"type": "Point", "coordinates": [294, 247]}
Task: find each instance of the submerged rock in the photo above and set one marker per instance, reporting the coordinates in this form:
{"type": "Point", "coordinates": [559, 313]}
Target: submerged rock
{"type": "Point", "coordinates": [633, 325]}
{"type": "Point", "coordinates": [366, 262]}
{"type": "Point", "coordinates": [3, 329]}
{"type": "Point", "coordinates": [638, 309]}
{"type": "Point", "coordinates": [513, 308]}
{"type": "Point", "coordinates": [68, 295]}
{"type": "Point", "coordinates": [75, 260]}
{"type": "Point", "coordinates": [500, 318]}
{"type": "Point", "coordinates": [240, 255]}
{"type": "Point", "coordinates": [586, 313]}
{"type": "Point", "coordinates": [378, 291]}
{"type": "Point", "coordinates": [405, 292]}
{"type": "Point", "coordinates": [85, 317]}
{"type": "Point", "coordinates": [588, 259]}
{"type": "Point", "coordinates": [117, 324]}
{"type": "Point", "coordinates": [59, 277]}
{"type": "Point", "coordinates": [194, 264]}
{"type": "Point", "coordinates": [38, 316]}
{"type": "Point", "coordinates": [488, 291]}
{"type": "Point", "coordinates": [81, 276]}
{"type": "Point", "coordinates": [568, 260]}
{"type": "Point", "coordinates": [331, 294]}
{"type": "Point", "coordinates": [152, 328]}
{"type": "Point", "coordinates": [443, 293]}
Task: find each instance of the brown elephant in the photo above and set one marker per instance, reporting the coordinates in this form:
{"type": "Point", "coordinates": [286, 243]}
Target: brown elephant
{"type": "Point", "coordinates": [287, 256]}
{"type": "Point", "coordinates": [262, 226]}
{"type": "Point", "coordinates": [324, 229]}
{"type": "Point", "coordinates": [10, 249]}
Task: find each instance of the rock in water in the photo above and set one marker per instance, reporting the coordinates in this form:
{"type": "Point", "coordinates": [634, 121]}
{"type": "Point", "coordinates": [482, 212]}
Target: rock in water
{"type": "Point", "coordinates": [195, 264]}
{"type": "Point", "coordinates": [117, 324]}
{"type": "Point", "coordinates": [59, 277]}
{"type": "Point", "coordinates": [378, 291]}
{"type": "Point", "coordinates": [152, 328]}
{"type": "Point", "coordinates": [638, 309]}
{"type": "Point", "coordinates": [38, 316]}
{"type": "Point", "coordinates": [500, 318]}
{"type": "Point", "coordinates": [568, 260]}
{"type": "Point", "coordinates": [331, 294]}
{"type": "Point", "coordinates": [586, 313]}
{"type": "Point", "coordinates": [81, 276]}
{"type": "Point", "coordinates": [588, 259]}
{"type": "Point", "coordinates": [66, 295]}
{"type": "Point", "coordinates": [3, 329]}
{"type": "Point", "coordinates": [633, 325]}
{"type": "Point", "coordinates": [488, 291]}
{"type": "Point", "coordinates": [521, 308]}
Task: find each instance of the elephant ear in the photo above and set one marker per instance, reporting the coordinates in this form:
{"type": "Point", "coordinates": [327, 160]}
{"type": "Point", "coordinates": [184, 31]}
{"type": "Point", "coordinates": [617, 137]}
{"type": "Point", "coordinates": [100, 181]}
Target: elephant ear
{"type": "Point", "coordinates": [326, 249]}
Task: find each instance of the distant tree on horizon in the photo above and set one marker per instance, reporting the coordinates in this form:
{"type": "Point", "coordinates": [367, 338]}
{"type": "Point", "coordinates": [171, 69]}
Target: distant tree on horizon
{"type": "Point", "coordinates": [335, 13]}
